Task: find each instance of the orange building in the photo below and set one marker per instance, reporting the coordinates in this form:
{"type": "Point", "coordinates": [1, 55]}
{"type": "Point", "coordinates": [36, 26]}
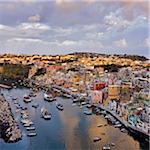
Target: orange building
{"type": "Point", "coordinates": [114, 92]}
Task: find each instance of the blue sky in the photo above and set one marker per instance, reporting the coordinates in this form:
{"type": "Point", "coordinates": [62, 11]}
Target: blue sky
{"type": "Point", "coordinates": [66, 26]}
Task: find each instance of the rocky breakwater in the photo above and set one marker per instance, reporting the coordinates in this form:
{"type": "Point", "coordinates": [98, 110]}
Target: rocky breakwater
{"type": "Point", "coordinates": [9, 130]}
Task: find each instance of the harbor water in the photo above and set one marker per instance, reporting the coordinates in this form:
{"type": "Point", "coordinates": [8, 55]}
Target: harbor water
{"type": "Point", "coordinates": [69, 129]}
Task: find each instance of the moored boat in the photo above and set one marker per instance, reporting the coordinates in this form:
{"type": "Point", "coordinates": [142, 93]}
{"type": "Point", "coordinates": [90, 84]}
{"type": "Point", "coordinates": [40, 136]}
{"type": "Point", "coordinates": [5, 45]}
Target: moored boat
{"type": "Point", "coordinates": [99, 125]}
{"type": "Point", "coordinates": [48, 97]}
{"type": "Point", "coordinates": [45, 114]}
{"type": "Point", "coordinates": [83, 103]}
{"type": "Point", "coordinates": [88, 105]}
{"type": "Point", "coordinates": [35, 105]}
{"type": "Point", "coordinates": [60, 107]}
{"type": "Point", "coordinates": [27, 99]}
{"type": "Point", "coordinates": [96, 139]}
{"type": "Point", "coordinates": [32, 134]}
{"type": "Point", "coordinates": [88, 112]}
{"type": "Point", "coordinates": [75, 100]}
{"type": "Point", "coordinates": [117, 125]}
{"type": "Point", "coordinates": [106, 147]}
{"type": "Point", "coordinates": [30, 128]}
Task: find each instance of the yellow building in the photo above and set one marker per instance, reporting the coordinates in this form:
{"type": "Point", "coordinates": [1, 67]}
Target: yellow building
{"type": "Point", "coordinates": [1, 69]}
{"type": "Point", "coordinates": [114, 92]}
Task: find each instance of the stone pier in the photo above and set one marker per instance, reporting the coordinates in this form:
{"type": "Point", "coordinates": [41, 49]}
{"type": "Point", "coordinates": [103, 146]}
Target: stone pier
{"type": "Point", "coordinates": [9, 129]}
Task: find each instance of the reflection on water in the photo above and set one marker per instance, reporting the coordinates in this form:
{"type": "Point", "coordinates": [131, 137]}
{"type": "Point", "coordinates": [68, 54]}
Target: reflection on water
{"type": "Point", "coordinates": [68, 129]}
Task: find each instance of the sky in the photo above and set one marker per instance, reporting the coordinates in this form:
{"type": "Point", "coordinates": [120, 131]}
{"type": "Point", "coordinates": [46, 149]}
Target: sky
{"type": "Point", "coordinates": [67, 26]}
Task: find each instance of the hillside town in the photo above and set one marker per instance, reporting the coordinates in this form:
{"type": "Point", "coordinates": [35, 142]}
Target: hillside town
{"type": "Point", "coordinates": [120, 84]}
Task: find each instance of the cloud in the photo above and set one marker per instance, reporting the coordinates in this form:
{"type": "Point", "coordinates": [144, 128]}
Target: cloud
{"type": "Point", "coordinates": [75, 25]}
{"type": "Point", "coordinates": [114, 21]}
{"type": "Point", "coordinates": [4, 28]}
{"type": "Point", "coordinates": [68, 43]}
{"type": "Point", "coordinates": [121, 43]}
{"type": "Point", "coordinates": [35, 18]}
{"type": "Point", "coordinates": [23, 30]}
{"type": "Point", "coordinates": [95, 35]}
{"type": "Point", "coordinates": [23, 40]}
{"type": "Point", "coordinates": [147, 42]}
{"type": "Point", "coordinates": [34, 26]}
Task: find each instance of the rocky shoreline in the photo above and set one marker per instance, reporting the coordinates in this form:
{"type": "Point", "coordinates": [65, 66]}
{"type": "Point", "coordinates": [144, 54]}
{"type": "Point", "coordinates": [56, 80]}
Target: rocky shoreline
{"type": "Point", "coordinates": [9, 129]}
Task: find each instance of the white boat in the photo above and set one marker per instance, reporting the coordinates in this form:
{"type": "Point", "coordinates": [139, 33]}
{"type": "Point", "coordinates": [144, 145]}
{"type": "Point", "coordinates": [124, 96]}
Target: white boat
{"type": "Point", "coordinates": [67, 95]}
{"type": "Point", "coordinates": [123, 130]}
{"type": "Point", "coordinates": [60, 107]}
{"type": "Point", "coordinates": [26, 124]}
{"type": "Point", "coordinates": [96, 139]}
{"type": "Point", "coordinates": [88, 112]}
{"type": "Point", "coordinates": [100, 125]}
{"type": "Point", "coordinates": [27, 99]}
{"type": "Point", "coordinates": [32, 134]}
{"type": "Point", "coordinates": [32, 94]}
{"type": "Point", "coordinates": [106, 147]}
{"type": "Point", "coordinates": [117, 125]}
{"type": "Point", "coordinates": [23, 121]}
{"type": "Point", "coordinates": [30, 128]}
{"type": "Point", "coordinates": [48, 97]}
{"type": "Point", "coordinates": [83, 103]}
{"type": "Point", "coordinates": [112, 144]}
{"type": "Point", "coordinates": [75, 100]}
{"type": "Point", "coordinates": [106, 117]}
{"type": "Point", "coordinates": [88, 105]}
{"type": "Point", "coordinates": [45, 114]}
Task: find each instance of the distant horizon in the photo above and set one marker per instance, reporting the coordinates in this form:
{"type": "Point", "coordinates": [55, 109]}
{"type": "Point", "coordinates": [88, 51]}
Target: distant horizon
{"type": "Point", "coordinates": [76, 52]}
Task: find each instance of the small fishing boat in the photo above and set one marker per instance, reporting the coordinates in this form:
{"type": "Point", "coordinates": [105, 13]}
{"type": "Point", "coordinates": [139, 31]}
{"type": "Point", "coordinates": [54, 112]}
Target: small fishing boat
{"type": "Point", "coordinates": [24, 108]}
{"type": "Point", "coordinates": [106, 117]}
{"type": "Point", "coordinates": [100, 125]}
{"type": "Point", "coordinates": [117, 125]}
{"type": "Point", "coordinates": [88, 112]}
{"type": "Point", "coordinates": [60, 107]}
{"type": "Point", "coordinates": [14, 98]}
{"type": "Point", "coordinates": [25, 112]}
{"type": "Point", "coordinates": [106, 147]}
{"type": "Point", "coordinates": [30, 128]}
{"type": "Point", "coordinates": [35, 105]}
{"type": "Point", "coordinates": [32, 134]}
{"type": "Point", "coordinates": [27, 99]}
{"type": "Point", "coordinates": [123, 130]}
{"type": "Point", "coordinates": [103, 112]}
{"type": "Point", "coordinates": [111, 120]}
{"type": "Point", "coordinates": [15, 102]}
{"type": "Point", "coordinates": [88, 105]}
{"type": "Point", "coordinates": [83, 103]}
{"type": "Point", "coordinates": [32, 94]}
{"type": "Point", "coordinates": [97, 111]}
{"type": "Point", "coordinates": [112, 144]}
{"type": "Point", "coordinates": [67, 95]}
{"type": "Point", "coordinates": [23, 121]}
{"type": "Point", "coordinates": [27, 124]}
{"type": "Point", "coordinates": [45, 114]}
{"type": "Point", "coordinates": [96, 139]}
{"type": "Point", "coordinates": [47, 97]}
{"type": "Point", "coordinates": [75, 100]}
